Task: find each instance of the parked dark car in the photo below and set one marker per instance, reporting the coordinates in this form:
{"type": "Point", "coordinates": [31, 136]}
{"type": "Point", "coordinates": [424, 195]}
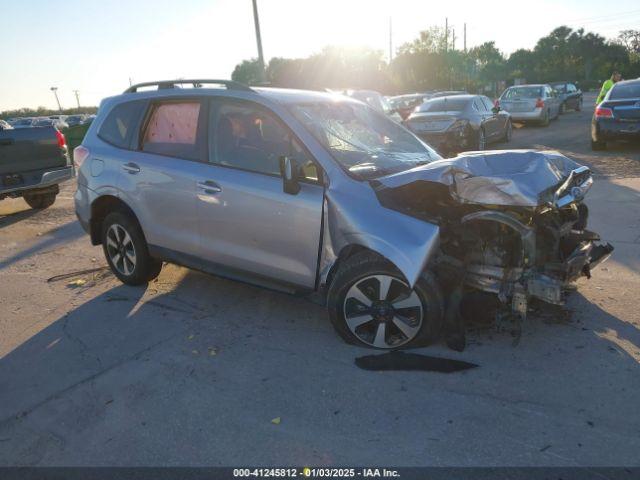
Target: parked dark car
{"type": "Point", "coordinates": [618, 116]}
{"type": "Point", "coordinates": [33, 161]}
{"type": "Point", "coordinates": [569, 94]}
{"type": "Point", "coordinates": [406, 104]}
{"type": "Point", "coordinates": [462, 122]}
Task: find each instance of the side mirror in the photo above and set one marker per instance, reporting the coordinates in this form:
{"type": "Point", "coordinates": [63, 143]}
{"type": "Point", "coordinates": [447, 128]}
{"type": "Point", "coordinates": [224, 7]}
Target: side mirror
{"type": "Point", "coordinates": [289, 169]}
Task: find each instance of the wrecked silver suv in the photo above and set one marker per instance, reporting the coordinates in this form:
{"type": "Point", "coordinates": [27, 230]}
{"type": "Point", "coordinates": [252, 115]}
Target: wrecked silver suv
{"type": "Point", "coordinates": [313, 192]}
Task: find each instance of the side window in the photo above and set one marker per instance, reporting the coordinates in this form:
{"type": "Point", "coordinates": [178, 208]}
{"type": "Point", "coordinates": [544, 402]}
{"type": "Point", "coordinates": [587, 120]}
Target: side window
{"type": "Point", "coordinates": [117, 129]}
{"type": "Point", "coordinates": [249, 137]}
{"type": "Point", "coordinates": [488, 105]}
{"type": "Point", "coordinates": [477, 105]}
{"type": "Point", "coordinates": [571, 88]}
{"type": "Point", "coordinates": [172, 130]}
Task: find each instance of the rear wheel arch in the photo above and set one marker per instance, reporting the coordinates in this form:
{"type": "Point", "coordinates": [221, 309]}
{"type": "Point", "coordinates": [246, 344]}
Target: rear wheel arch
{"type": "Point", "coordinates": [100, 208]}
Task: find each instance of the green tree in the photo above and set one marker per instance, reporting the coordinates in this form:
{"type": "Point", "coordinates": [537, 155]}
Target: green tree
{"type": "Point", "coordinates": [247, 72]}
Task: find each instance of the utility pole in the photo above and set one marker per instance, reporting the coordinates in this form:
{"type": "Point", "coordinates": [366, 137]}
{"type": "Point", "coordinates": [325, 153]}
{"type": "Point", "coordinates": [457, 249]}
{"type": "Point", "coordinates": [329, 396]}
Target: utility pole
{"type": "Point", "coordinates": [256, 21]}
{"type": "Point", "coordinates": [453, 40]}
{"type": "Point", "coordinates": [77, 97]}
{"type": "Point", "coordinates": [446, 34]}
{"type": "Point", "coordinates": [55, 93]}
{"type": "Point", "coordinates": [390, 41]}
{"type": "Point", "coordinates": [465, 37]}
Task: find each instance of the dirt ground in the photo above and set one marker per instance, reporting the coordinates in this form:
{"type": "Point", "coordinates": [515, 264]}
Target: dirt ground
{"type": "Point", "coordinates": [193, 369]}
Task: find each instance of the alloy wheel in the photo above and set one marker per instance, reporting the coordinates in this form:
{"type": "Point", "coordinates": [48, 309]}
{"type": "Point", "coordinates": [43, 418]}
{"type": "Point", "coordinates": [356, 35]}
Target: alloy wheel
{"type": "Point", "coordinates": [121, 250]}
{"type": "Point", "coordinates": [383, 311]}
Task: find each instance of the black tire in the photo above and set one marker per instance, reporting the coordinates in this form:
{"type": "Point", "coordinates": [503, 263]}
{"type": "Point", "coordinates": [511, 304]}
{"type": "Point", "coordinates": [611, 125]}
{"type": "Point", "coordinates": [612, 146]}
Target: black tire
{"type": "Point", "coordinates": [508, 132]}
{"type": "Point", "coordinates": [598, 145]}
{"type": "Point", "coordinates": [40, 201]}
{"type": "Point", "coordinates": [545, 120]}
{"type": "Point", "coordinates": [361, 268]}
{"type": "Point", "coordinates": [145, 268]}
{"type": "Point", "coordinates": [579, 106]}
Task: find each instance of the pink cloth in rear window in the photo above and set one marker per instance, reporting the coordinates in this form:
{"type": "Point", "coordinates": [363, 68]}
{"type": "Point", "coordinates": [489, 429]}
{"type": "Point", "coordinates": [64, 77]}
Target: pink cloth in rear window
{"type": "Point", "coordinates": [173, 123]}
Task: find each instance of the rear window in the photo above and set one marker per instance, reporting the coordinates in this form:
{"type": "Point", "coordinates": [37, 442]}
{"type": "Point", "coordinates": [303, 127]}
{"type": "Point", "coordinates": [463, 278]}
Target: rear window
{"type": "Point", "coordinates": [629, 90]}
{"type": "Point", "coordinates": [523, 92]}
{"type": "Point", "coordinates": [117, 129]}
{"type": "Point", "coordinates": [445, 104]}
{"type": "Point", "coordinates": [173, 129]}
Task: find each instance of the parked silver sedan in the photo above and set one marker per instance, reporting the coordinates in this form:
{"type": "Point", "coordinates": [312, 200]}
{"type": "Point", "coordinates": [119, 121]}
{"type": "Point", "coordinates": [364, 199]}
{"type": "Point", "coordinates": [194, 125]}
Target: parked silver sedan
{"type": "Point", "coordinates": [531, 103]}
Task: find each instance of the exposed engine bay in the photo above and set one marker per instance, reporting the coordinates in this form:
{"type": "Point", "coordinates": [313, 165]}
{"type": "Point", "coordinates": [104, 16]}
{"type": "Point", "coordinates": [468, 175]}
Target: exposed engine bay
{"type": "Point", "coordinates": [511, 223]}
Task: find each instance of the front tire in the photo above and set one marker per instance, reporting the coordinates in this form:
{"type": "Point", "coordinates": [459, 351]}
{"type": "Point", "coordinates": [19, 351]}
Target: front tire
{"type": "Point", "coordinates": [370, 304]}
{"type": "Point", "coordinates": [40, 201]}
{"type": "Point", "coordinates": [126, 250]}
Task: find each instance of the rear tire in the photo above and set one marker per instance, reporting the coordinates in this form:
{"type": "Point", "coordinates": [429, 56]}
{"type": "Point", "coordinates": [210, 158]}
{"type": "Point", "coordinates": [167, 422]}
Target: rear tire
{"type": "Point", "coordinates": [126, 250]}
{"type": "Point", "coordinates": [40, 201]}
{"type": "Point", "coordinates": [403, 318]}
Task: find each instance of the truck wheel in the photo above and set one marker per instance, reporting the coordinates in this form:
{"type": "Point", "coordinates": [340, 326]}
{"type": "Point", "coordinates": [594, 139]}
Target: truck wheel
{"type": "Point", "coordinates": [40, 200]}
{"type": "Point", "coordinates": [126, 250]}
{"type": "Point", "coordinates": [371, 304]}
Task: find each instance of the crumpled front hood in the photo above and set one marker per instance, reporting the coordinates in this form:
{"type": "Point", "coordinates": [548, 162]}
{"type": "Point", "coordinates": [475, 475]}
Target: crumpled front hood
{"type": "Point", "coordinates": [524, 178]}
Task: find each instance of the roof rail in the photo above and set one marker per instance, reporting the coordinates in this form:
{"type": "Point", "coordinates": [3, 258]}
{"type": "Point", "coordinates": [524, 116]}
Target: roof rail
{"type": "Point", "coordinates": [168, 84]}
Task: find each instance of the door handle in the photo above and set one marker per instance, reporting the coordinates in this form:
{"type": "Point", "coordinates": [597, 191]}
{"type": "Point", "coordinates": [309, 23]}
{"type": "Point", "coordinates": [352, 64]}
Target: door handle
{"type": "Point", "coordinates": [131, 168]}
{"type": "Point", "coordinates": [209, 187]}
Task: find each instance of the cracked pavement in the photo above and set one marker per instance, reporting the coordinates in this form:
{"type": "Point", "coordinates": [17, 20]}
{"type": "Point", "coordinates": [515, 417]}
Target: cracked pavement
{"type": "Point", "coordinates": [191, 369]}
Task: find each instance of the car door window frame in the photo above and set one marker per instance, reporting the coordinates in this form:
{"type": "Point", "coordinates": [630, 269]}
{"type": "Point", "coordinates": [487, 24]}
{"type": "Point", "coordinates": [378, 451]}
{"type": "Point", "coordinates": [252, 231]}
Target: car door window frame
{"type": "Point", "coordinates": [215, 103]}
{"type": "Point", "coordinates": [201, 129]}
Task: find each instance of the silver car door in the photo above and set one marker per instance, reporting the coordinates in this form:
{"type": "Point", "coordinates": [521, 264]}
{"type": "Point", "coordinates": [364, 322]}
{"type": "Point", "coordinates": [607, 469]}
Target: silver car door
{"type": "Point", "coordinates": [159, 180]}
{"type": "Point", "coordinates": [247, 222]}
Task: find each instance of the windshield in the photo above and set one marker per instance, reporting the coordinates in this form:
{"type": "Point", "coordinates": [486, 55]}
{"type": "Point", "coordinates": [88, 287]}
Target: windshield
{"type": "Point", "coordinates": [363, 141]}
{"type": "Point", "coordinates": [444, 104]}
{"type": "Point", "coordinates": [627, 90]}
{"type": "Point", "coordinates": [522, 92]}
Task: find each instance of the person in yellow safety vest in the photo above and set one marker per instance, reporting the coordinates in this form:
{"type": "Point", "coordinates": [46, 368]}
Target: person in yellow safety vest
{"type": "Point", "coordinates": [606, 86]}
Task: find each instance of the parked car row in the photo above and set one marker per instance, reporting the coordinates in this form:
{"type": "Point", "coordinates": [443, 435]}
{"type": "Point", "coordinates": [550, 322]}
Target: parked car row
{"type": "Point", "coordinates": [58, 121]}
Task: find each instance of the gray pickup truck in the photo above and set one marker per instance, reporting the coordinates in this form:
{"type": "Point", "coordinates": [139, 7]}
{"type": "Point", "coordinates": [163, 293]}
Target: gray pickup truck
{"type": "Point", "coordinates": [33, 161]}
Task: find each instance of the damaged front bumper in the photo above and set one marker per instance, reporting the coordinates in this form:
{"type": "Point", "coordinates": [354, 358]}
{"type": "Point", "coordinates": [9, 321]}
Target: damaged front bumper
{"type": "Point", "coordinates": [546, 281]}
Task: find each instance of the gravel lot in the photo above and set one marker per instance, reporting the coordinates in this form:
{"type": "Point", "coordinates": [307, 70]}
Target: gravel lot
{"type": "Point", "coordinates": [192, 369]}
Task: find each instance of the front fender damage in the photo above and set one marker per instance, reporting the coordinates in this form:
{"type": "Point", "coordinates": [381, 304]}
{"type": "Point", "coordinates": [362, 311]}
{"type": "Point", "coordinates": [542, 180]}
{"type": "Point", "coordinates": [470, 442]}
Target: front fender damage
{"type": "Point", "coordinates": [511, 224]}
{"type": "Point", "coordinates": [350, 221]}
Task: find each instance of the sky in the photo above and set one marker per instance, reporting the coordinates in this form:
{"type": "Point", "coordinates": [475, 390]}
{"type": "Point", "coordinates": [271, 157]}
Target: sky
{"type": "Point", "coordinates": [97, 46]}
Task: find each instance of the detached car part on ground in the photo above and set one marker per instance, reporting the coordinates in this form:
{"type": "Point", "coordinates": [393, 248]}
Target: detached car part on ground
{"type": "Point", "coordinates": [312, 192]}
{"type": "Point", "coordinates": [33, 161]}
